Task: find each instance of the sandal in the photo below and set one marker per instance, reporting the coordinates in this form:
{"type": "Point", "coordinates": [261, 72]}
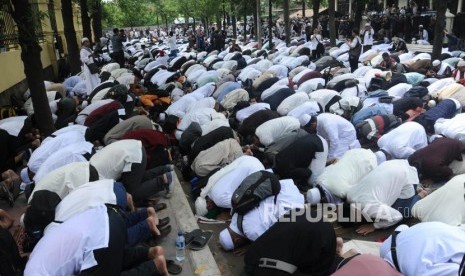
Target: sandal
{"type": "Point", "coordinates": [159, 206]}
{"type": "Point", "coordinates": [201, 241]}
{"type": "Point", "coordinates": [173, 267]}
{"type": "Point", "coordinates": [163, 222]}
{"type": "Point", "coordinates": [190, 236]}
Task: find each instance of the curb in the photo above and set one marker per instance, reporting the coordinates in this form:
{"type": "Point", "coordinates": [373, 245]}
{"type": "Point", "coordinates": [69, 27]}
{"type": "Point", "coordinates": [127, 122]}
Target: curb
{"type": "Point", "coordinates": [202, 261]}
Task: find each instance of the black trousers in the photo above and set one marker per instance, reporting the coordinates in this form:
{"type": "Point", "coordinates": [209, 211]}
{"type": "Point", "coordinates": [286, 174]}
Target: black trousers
{"type": "Point", "coordinates": [116, 259]}
{"type": "Point", "coordinates": [353, 61]}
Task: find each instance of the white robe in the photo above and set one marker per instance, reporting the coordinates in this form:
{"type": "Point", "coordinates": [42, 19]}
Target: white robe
{"type": "Point", "coordinates": [244, 113]}
{"type": "Point", "coordinates": [376, 197]}
{"type": "Point", "coordinates": [452, 128]}
{"type": "Point", "coordinates": [339, 133]}
{"type": "Point", "coordinates": [404, 140]}
{"type": "Point", "coordinates": [92, 80]}
{"type": "Point", "coordinates": [222, 191]}
{"type": "Point", "coordinates": [446, 204]}
{"type": "Point", "coordinates": [272, 130]}
{"type": "Point", "coordinates": [427, 249]}
{"type": "Point", "coordinates": [355, 164]}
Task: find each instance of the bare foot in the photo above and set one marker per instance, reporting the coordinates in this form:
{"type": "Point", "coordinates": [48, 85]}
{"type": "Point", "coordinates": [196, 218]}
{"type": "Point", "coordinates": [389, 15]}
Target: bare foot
{"type": "Point", "coordinates": [36, 143]}
{"type": "Point", "coordinates": [339, 245]}
{"type": "Point", "coordinates": [151, 213]}
{"type": "Point", "coordinates": [422, 193]}
{"type": "Point", "coordinates": [156, 253]}
{"type": "Point", "coordinates": [153, 226]}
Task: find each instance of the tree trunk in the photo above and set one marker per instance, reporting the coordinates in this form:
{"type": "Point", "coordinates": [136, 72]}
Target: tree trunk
{"type": "Point", "coordinates": [233, 19]}
{"type": "Point", "coordinates": [255, 23]}
{"type": "Point", "coordinates": [332, 24]}
{"type": "Point", "coordinates": [218, 20]}
{"type": "Point", "coordinates": [244, 32]}
{"type": "Point", "coordinates": [70, 35]}
{"type": "Point", "coordinates": [303, 9]}
{"type": "Point", "coordinates": [441, 7]}
{"type": "Point", "coordinates": [85, 19]}
{"type": "Point", "coordinates": [258, 23]}
{"type": "Point", "coordinates": [97, 20]}
{"type": "Point", "coordinates": [316, 12]}
{"type": "Point", "coordinates": [286, 22]}
{"type": "Point", "coordinates": [360, 6]}
{"type": "Point", "coordinates": [30, 55]}
{"type": "Point", "coordinates": [270, 24]}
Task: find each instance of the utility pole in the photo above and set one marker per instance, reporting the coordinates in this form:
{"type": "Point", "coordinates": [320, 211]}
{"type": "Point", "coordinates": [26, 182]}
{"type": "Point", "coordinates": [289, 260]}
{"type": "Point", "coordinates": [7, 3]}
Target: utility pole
{"type": "Point", "coordinates": [270, 24]}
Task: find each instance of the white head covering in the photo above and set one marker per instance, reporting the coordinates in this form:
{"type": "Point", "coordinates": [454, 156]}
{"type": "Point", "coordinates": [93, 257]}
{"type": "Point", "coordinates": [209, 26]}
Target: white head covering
{"type": "Point", "coordinates": [25, 176]}
{"type": "Point", "coordinates": [304, 119]}
{"type": "Point", "coordinates": [436, 62]}
{"type": "Point", "coordinates": [226, 240]}
{"type": "Point", "coordinates": [380, 157]}
{"type": "Point", "coordinates": [420, 26]}
{"type": "Point", "coordinates": [461, 63]}
{"type": "Point", "coordinates": [367, 25]}
{"type": "Point", "coordinates": [313, 196]}
{"type": "Point", "coordinates": [432, 103]}
{"type": "Point", "coordinates": [201, 206]}
{"type": "Point", "coordinates": [84, 39]}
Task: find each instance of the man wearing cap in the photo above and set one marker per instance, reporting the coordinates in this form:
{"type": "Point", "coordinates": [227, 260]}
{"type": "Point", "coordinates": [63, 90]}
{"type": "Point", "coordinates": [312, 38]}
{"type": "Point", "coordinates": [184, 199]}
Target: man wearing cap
{"type": "Point", "coordinates": [440, 70]}
{"type": "Point", "coordinates": [459, 73]}
{"type": "Point", "coordinates": [422, 33]}
{"type": "Point", "coordinates": [367, 35]}
{"type": "Point", "coordinates": [339, 132]}
{"type": "Point", "coordinates": [87, 58]}
{"type": "Point", "coordinates": [260, 219]}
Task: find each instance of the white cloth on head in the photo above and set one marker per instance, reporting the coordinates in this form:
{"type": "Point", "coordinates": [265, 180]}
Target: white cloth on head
{"type": "Point", "coordinates": [427, 249]}
{"type": "Point", "coordinates": [244, 113]}
{"type": "Point", "coordinates": [69, 154]}
{"type": "Point", "coordinates": [404, 140]}
{"type": "Point", "coordinates": [122, 154]}
{"type": "Point", "coordinates": [64, 179]}
{"type": "Point", "coordinates": [376, 197]}
{"type": "Point", "coordinates": [72, 244]}
{"type": "Point", "coordinates": [51, 145]}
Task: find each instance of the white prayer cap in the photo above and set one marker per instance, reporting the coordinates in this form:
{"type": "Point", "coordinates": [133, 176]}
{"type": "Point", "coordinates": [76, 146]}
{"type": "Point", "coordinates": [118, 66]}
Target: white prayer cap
{"type": "Point", "coordinates": [313, 196]}
{"type": "Point", "coordinates": [436, 62]}
{"type": "Point", "coordinates": [434, 137]}
{"type": "Point", "coordinates": [367, 25]}
{"type": "Point", "coordinates": [25, 176]}
{"type": "Point", "coordinates": [162, 117]}
{"type": "Point", "coordinates": [461, 63]}
{"type": "Point", "coordinates": [201, 206]}
{"type": "Point", "coordinates": [304, 119]}
{"type": "Point", "coordinates": [420, 26]}
{"type": "Point", "coordinates": [401, 228]}
{"type": "Point", "coordinates": [226, 240]}
{"type": "Point", "coordinates": [380, 157]}
{"type": "Point", "coordinates": [84, 104]}
{"type": "Point", "coordinates": [431, 103]}
{"type": "Point", "coordinates": [84, 39]}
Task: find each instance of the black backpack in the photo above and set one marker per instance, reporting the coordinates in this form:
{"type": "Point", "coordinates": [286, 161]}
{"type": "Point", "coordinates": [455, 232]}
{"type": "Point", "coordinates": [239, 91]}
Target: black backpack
{"type": "Point", "coordinates": [253, 189]}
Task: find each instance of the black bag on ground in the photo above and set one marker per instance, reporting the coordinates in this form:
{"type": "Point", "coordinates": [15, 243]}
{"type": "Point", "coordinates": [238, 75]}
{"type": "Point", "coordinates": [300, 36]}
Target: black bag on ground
{"type": "Point", "coordinates": [253, 189]}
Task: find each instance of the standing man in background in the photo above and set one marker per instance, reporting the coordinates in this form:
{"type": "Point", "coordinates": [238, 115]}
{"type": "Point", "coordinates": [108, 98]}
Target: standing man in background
{"type": "Point", "coordinates": [367, 35]}
{"type": "Point", "coordinates": [117, 44]}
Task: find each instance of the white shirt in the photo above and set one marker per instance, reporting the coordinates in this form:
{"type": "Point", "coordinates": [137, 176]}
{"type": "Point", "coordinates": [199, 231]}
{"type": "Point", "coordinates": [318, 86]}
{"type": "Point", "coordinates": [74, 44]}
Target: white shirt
{"type": "Point", "coordinates": [117, 158]}
{"type": "Point", "coordinates": [64, 179]}
{"type": "Point", "coordinates": [446, 204]}
{"type": "Point", "coordinates": [427, 249]}
{"type": "Point", "coordinates": [310, 107]}
{"type": "Point", "coordinates": [71, 244]}
{"type": "Point", "coordinates": [260, 219]}
{"type": "Point", "coordinates": [79, 128]}
{"type": "Point", "coordinates": [404, 140]}
{"type": "Point", "coordinates": [339, 133]}
{"type": "Point", "coordinates": [200, 116]}
{"type": "Point", "coordinates": [368, 36]}
{"type": "Point", "coordinates": [272, 130]}
{"type": "Point", "coordinates": [69, 154]}
{"type": "Point", "coordinates": [292, 102]}
{"type": "Point", "coordinates": [224, 188]}
{"type": "Point", "coordinates": [314, 41]}
{"type": "Point", "coordinates": [323, 96]}
{"type": "Point", "coordinates": [85, 197]}
{"type": "Point", "coordinates": [376, 197]}
{"type": "Point", "coordinates": [399, 90]}
{"type": "Point", "coordinates": [179, 108]}
{"type": "Point", "coordinates": [51, 145]}
{"type": "Point", "coordinates": [452, 128]}
{"type": "Point", "coordinates": [354, 165]}
{"type": "Point", "coordinates": [245, 113]}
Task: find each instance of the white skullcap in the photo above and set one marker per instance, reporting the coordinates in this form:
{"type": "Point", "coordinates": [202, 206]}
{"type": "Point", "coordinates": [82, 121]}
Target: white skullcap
{"type": "Point", "coordinates": [84, 104]}
{"type": "Point", "coordinates": [461, 63]}
{"type": "Point", "coordinates": [420, 26]}
{"type": "Point", "coordinates": [380, 157]}
{"type": "Point", "coordinates": [25, 176]}
{"type": "Point", "coordinates": [304, 119]}
{"type": "Point", "coordinates": [434, 137]}
{"type": "Point", "coordinates": [162, 117]}
{"type": "Point", "coordinates": [431, 103]}
{"type": "Point", "coordinates": [201, 206]}
{"type": "Point", "coordinates": [313, 196]}
{"type": "Point", "coordinates": [401, 228]}
{"type": "Point", "coordinates": [436, 62]}
{"type": "Point", "coordinates": [84, 39]}
{"type": "Point", "coordinates": [226, 240]}
{"type": "Point", "coordinates": [367, 25]}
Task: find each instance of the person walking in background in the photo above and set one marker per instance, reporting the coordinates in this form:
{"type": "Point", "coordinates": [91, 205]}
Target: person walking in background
{"type": "Point", "coordinates": [355, 50]}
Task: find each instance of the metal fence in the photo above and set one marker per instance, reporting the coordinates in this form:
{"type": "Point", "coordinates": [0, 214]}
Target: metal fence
{"type": "Point", "coordinates": [9, 38]}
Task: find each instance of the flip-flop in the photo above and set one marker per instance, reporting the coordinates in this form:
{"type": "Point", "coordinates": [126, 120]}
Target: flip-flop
{"type": "Point", "coordinates": [173, 267]}
{"type": "Point", "coordinates": [201, 241]}
{"type": "Point", "coordinates": [163, 222]}
{"type": "Point", "coordinates": [164, 231]}
{"type": "Point", "coordinates": [189, 237]}
{"type": "Point", "coordinates": [159, 206]}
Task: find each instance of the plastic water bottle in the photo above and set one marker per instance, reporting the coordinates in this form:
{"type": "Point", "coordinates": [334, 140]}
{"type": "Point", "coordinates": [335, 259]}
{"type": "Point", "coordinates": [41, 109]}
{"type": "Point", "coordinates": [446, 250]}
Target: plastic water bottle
{"type": "Point", "coordinates": [180, 247]}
